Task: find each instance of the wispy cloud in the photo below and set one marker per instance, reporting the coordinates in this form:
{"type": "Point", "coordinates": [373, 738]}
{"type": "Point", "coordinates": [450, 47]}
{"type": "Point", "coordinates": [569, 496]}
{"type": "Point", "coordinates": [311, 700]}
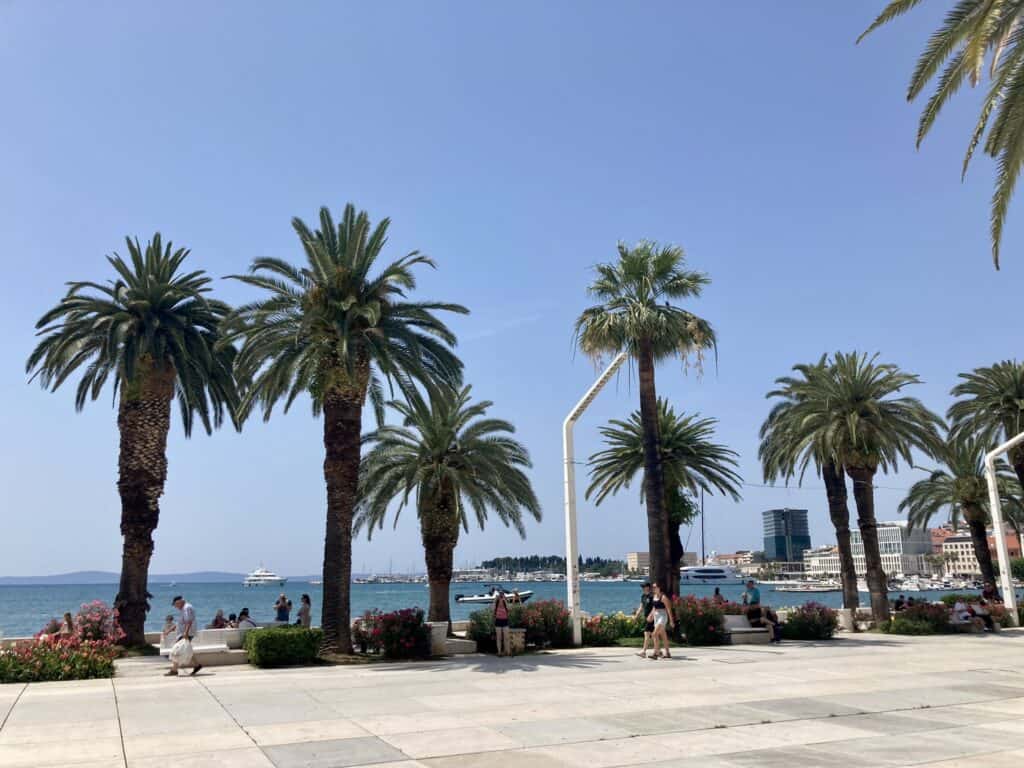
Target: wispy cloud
{"type": "Point", "coordinates": [508, 325]}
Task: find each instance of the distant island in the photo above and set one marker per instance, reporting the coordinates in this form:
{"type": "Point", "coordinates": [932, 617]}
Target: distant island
{"type": "Point", "coordinates": [555, 563]}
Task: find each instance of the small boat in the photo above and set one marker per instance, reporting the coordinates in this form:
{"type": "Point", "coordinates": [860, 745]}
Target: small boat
{"type": "Point", "coordinates": [489, 597]}
{"type": "Point", "coordinates": [262, 577]}
{"type": "Point", "coordinates": [315, 582]}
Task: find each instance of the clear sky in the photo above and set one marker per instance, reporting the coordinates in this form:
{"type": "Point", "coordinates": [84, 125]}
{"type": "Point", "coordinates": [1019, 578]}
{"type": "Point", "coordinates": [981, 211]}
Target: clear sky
{"type": "Point", "coordinates": [515, 144]}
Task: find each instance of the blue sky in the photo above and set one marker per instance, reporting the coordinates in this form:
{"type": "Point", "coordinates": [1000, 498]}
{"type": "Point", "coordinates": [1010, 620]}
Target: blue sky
{"type": "Point", "coordinates": [516, 146]}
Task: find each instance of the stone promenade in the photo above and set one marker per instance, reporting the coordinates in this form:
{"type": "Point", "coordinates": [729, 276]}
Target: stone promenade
{"type": "Point", "coordinates": [866, 700]}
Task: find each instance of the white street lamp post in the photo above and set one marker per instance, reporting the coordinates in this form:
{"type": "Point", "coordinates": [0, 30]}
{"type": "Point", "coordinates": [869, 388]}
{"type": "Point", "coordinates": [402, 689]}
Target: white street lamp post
{"type": "Point", "coordinates": [1005, 577]}
{"type": "Point", "coordinates": [572, 550]}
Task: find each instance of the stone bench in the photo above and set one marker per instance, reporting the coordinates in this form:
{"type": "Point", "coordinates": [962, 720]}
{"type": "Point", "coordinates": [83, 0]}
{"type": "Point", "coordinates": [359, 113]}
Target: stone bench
{"type": "Point", "coordinates": [741, 633]}
{"type": "Point", "coordinates": [209, 641]}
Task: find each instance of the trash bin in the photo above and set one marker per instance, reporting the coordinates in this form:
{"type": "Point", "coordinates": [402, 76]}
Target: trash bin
{"type": "Point", "coordinates": [517, 640]}
{"type": "Point", "coordinates": [438, 637]}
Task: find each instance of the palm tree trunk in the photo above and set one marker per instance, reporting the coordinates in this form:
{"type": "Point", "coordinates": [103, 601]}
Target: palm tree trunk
{"type": "Point", "coordinates": [439, 530]}
{"type": "Point", "coordinates": [864, 496]}
{"type": "Point", "coordinates": [143, 420]}
{"type": "Point", "coordinates": [654, 481]}
{"type": "Point", "coordinates": [979, 538]}
{"type": "Point", "coordinates": [839, 511]}
{"type": "Point", "coordinates": [343, 420]}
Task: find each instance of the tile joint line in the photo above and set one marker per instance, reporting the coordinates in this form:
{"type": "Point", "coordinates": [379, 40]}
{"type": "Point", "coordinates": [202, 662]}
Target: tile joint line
{"type": "Point", "coordinates": [120, 728]}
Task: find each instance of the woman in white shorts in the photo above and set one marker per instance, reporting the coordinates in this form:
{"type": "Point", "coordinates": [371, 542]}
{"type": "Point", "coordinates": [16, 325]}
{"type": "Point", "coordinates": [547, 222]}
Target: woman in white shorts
{"type": "Point", "coordinates": [661, 617]}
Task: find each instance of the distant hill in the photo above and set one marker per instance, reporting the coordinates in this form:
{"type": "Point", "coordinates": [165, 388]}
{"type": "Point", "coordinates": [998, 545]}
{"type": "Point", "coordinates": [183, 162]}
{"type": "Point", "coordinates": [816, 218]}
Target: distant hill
{"type": "Point", "coordinates": [106, 577]}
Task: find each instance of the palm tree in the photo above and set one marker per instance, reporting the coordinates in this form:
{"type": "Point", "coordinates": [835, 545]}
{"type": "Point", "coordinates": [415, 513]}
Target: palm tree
{"type": "Point", "coordinates": [846, 411]}
{"type": "Point", "coordinates": [792, 441]}
{"type": "Point", "coordinates": [961, 488]}
{"type": "Point", "coordinates": [333, 330]}
{"type": "Point", "coordinates": [153, 333]}
{"type": "Point", "coordinates": [691, 462]}
{"type": "Point", "coordinates": [973, 31]}
{"type": "Point", "coordinates": [454, 460]}
{"type": "Point", "coordinates": [634, 316]}
{"type": "Point", "coordinates": [992, 407]}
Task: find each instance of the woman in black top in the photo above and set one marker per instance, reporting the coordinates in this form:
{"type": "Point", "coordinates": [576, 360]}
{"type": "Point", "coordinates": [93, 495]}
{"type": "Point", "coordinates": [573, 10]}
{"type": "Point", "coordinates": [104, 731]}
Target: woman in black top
{"type": "Point", "coordinates": [661, 616]}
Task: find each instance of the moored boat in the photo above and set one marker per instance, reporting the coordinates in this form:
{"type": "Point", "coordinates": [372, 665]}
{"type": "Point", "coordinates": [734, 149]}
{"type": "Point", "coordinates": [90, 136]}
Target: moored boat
{"type": "Point", "coordinates": [489, 597]}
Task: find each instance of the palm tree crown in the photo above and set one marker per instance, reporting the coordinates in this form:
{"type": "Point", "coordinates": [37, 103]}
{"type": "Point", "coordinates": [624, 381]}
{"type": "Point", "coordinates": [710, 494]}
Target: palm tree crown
{"type": "Point", "coordinates": [690, 458]}
{"type": "Point", "coordinates": [992, 404]}
{"type": "Point", "coordinates": [326, 325]}
{"type": "Point", "coordinates": [792, 438]}
{"type": "Point", "coordinates": [959, 487]}
{"type": "Point", "coordinates": [446, 445]}
{"type": "Point", "coordinates": [849, 411]}
{"type": "Point", "coordinates": [634, 295]}
{"type": "Point", "coordinates": [150, 319]}
{"type": "Point", "coordinates": [973, 31]}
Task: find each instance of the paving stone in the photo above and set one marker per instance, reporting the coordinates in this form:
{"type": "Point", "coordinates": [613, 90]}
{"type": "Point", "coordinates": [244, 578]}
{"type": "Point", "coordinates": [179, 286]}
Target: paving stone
{"type": "Point", "coordinates": [458, 741]}
{"type": "Point", "coordinates": [339, 753]}
{"type": "Point", "coordinates": [186, 742]}
{"type": "Point", "coordinates": [544, 733]}
{"type": "Point", "coordinates": [228, 758]}
{"type": "Point", "coordinates": [55, 751]}
{"type": "Point", "coordinates": [315, 730]}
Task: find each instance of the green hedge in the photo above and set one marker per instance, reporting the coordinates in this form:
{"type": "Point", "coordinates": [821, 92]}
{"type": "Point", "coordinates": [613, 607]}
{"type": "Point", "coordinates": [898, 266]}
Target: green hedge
{"type": "Point", "coordinates": [282, 646]}
{"type": "Point", "coordinates": [810, 621]}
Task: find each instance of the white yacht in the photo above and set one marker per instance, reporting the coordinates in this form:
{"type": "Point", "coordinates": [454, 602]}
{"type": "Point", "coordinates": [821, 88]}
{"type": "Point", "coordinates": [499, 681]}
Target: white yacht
{"type": "Point", "coordinates": [709, 574]}
{"type": "Point", "coordinates": [262, 577]}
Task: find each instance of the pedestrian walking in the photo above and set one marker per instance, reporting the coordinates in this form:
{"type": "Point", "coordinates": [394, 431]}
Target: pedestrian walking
{"type": "Point", "coordinates": [181, 653]}
{"type": "Point", "coordinates": [661, 617]}
{"type": "Point", "coordinates": [644, 612]}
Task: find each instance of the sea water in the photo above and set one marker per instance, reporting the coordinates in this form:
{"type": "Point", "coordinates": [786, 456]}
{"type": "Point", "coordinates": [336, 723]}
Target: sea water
{"type": "Point", "coordinates": [24, 610]}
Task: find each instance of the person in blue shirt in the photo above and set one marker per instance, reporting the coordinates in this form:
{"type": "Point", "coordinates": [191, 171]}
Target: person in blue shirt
{"type": "Point", "coordinates": [752, 595]}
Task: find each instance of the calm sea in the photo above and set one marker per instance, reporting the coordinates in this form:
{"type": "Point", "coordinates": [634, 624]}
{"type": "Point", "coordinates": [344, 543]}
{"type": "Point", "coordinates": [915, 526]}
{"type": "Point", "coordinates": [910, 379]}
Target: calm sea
{"type": "Point", "coordinates": [25, 609]}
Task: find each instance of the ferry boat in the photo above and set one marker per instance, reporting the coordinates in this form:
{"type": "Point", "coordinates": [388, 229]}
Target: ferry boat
{"type": "Point", "coordinates": [262, 577]}
{"type": "Point", "coordinates": [709, 574]}
{"type": "Point", "coordinates": [812, 586]}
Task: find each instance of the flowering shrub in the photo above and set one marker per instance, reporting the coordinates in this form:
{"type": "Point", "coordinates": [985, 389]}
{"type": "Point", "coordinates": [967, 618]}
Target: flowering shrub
{"type": "Point", "coordinates": [57, 658]}
{"type": "Point", "coordinates": [699, 621]}
{"type": "Point", "coordinates": [404, 635]}
{"type": "Point", "coordinates": [811, 621]}
{"type": "Point", "coordinates": [366, 632]}
{"type": "Point", "coordinates": [98, 621]}
{"type": "Point", "coordinates": [606, 629]}
{"type": "Point", "coordinates": [546, 623]}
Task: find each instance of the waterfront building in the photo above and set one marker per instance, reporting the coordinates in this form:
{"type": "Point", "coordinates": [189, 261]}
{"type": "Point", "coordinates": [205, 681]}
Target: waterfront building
{"type": "Point", "coordinates": [736, 559]}
{"type": "Point", "coordinates": [903, 552]}
{"type": "Point", "coordinates": [786, 534]}
{"type": "Point", "coordinates": [638, 562]}
{"type": "Point", "coordinates": [958, 552]}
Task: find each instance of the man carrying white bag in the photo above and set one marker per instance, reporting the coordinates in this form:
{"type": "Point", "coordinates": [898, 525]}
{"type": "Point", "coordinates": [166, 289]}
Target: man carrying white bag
{"type": "Point", "coordinates": [181, 652]}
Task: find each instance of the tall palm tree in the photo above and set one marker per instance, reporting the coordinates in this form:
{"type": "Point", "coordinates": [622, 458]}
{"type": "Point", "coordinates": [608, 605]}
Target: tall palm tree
{"type": "Point", "coordinates": [846, 410]}
{"type": "Point", "coordinates": [973, 31]}
{"type": "Point", "coordinates": [452, 460]}
{"type": "Point", "coordinates": [792, 441]}
{"type": "Point", "coordinates": [992, 407]}
{"type": "Point", "coordinates": [152, 332]}
{"type": "Point", "coordinates": [333, 330]}
{"type": "Point", "coordinates": [961, 488]}
{"type": "Point", "coordinates": [634, 315]}
{"type": "Point", "coordinates": [691, 462]}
